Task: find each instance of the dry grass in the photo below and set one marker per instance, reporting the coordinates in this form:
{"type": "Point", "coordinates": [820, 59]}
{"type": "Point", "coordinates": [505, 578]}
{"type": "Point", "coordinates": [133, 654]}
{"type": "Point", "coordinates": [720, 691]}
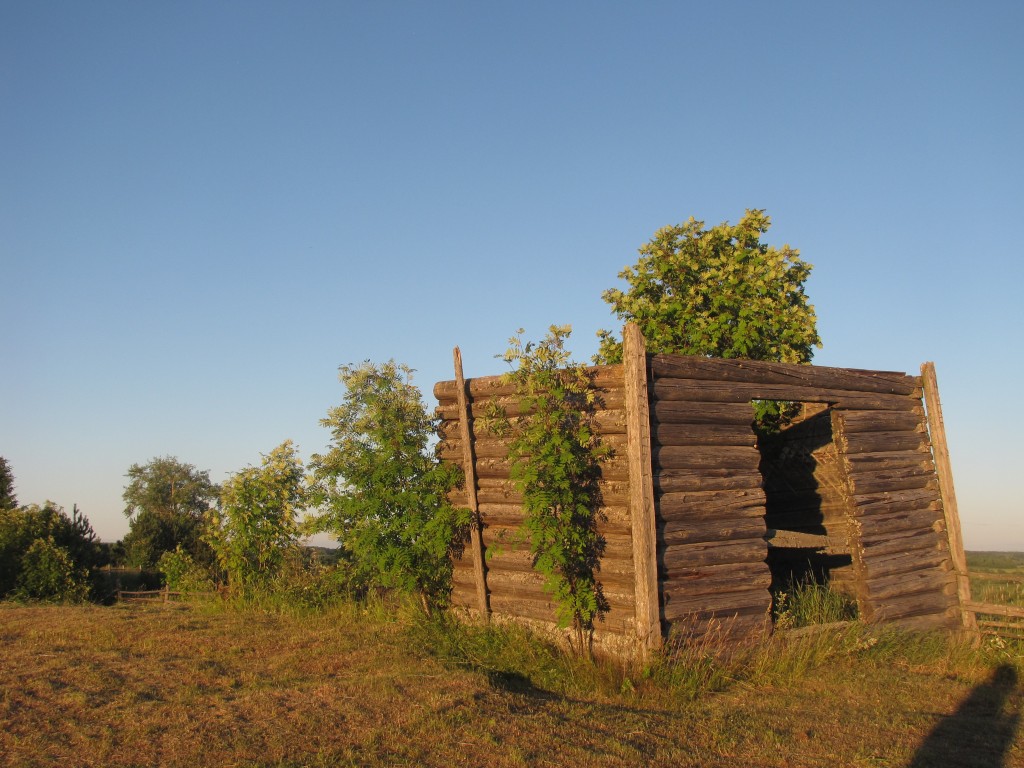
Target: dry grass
{"type": "Point", "coordinates": [178, 685]}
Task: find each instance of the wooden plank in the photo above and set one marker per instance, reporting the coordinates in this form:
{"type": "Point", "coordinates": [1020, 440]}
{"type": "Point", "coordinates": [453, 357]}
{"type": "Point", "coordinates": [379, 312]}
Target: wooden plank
{"type": "Point", "coordinates": [913, 583]}
{"type": "Point", "coordinates": [994, 609]}
{"type": "Point", "coordinates": [499, 447]}
{"type": "Point", "coordinates": [641, 498]}
{"type": "Point", "coordinates": [704, 434]}
{"type": "Point", "coordinates": [751, 550]}
{"type": "Point", "coordinates": [869, 487]}
{"type": "Point", "coordinates": [937, 432]}
{"type": "Point", "coordinates": [668, 389]}
{"type": "Point", "coordinates": [761, 372]}
{"type": "Point", "coordinates": [715, 529]}
{"type": "Point", "coordinates": [469, 472]}
{"type": "Point", "coordinates": [483, 387]}
{"type": "Point", "coordinates": [832, 545]}
{"type": "Point", "coordinates": [904, 562]}
{"type": "Point", "coordinates": [681, 480]}
{"type": "Point", "coordinates": [720, 604]}
{"type": "Point", "coordinates": [873, 442]}
{"type": "Point", "coordinates": [883, 421]}
{"type": "Point", "coordinates": [605, 400]}
{"type": "Point", "coordinates": [706, 457]}
{"type": "Point", "coordinates": [907, 606]}
{"type": "Point", "coordinates": [696, 504]}
{"type": "Point", "coordinates": [497, 490]}
{"type": "Point", "coordinates": [674, 412]}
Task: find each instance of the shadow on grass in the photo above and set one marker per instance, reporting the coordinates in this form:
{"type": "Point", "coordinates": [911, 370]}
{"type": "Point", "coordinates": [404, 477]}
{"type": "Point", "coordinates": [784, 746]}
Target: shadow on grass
{"type": "Point", "coordinates": [979, 734]}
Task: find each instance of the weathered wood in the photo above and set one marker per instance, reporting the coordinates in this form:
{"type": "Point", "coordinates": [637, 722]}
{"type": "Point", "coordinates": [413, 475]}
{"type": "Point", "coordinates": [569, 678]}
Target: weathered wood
{"type": "Point", "coordinates": [606, 400]}
{"type": "Point", "coordinates": [704, 434]}
{"type": "Point", "coordinates": [916, 582]}
{"type": "Point", "coordinates": [641, 499]}
{"type": "Point", "coordinates": [544, 612]}
{"type": "Point", "coordinates": [872, 442]}
{"type": "Point", "coordinates": [483, 387]}
{"type": "Point", "coordinates": [883, 421]}
{"type": "Point", "coordinates": [669, 389]}
{"type": "Point", "coordinates": [923, 541]}
{"type": "Point", "coordinates": [867, 487]}
{"type": "Point", "coordinates": [491, 448]}
{"type": "Point", "coordinates": [711, 553]}
{"type": "Point", "coordinates": [760, 372]}
{"type": "Point", "coordinates": [613, 468]}
{"type": "Point", "coordinates": [500, 490]}
{"type": "Point", "coordinates": [904, 562]}
{"type": "Point", "coordinates": [680, 480]}
{"type": "Point", "coordinates": [675, 412]}
{"type": "Point", "coordinates": [465, 432]}
{"type": "Point", "coordinates": [870, 463]}
{"type": "Point", "coordinates": [880, 503]}
{"type": "Point", "coordinates": [715, 529]}
{"type": "Point", "coordinates": [832, 545]}
{"type": "Point", "coordinates": [905, 519]}
{"type": "Point", "coordinates": [719, 603]}
{"type": "Point", "coordinates": [606, 519]}
{"type": "Point", "coordinates": [993, 609]}
{"type": "Point", "coordinates": [605, 423]}
{"type": "Point", "coordinates": [906, 606]}
{"type": "Point", "coordinates": [709, 457]}
{"type": "Point", "coordinates": [688, 505]}
{"type": "Point", "coordinates": [944, 470]}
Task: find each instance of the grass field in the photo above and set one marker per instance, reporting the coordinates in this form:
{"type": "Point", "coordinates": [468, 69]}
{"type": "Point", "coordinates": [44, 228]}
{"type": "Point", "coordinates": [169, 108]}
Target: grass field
{"type": "Point", "coordinates": [134, 685]}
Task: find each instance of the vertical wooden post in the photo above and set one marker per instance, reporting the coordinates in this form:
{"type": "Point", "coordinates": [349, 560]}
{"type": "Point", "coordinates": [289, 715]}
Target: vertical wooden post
{"type": "Point", "coordinates": [469, 471]}
{"type": "Point", "coordinates": [641, 488]}
{"type": "Point", "coordinates": [940, 452]}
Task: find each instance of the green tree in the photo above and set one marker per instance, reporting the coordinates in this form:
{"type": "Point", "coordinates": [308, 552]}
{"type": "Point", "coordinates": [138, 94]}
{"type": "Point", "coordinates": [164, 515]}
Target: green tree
{"type": "Point", "coordinates": [7, 498]}
{"type": "Point", "coordinates": [382, 491]}
{"type": "Point", "coordinates": [556, 456]}
{"type": "Point", "coordinates": [63, 551]}
{"type": "Point", "coordinates": [167, 502]}
{"type": "Point", "coordinates": [257, 522]}
{"type": "Point", "coordinates": [719, 292]}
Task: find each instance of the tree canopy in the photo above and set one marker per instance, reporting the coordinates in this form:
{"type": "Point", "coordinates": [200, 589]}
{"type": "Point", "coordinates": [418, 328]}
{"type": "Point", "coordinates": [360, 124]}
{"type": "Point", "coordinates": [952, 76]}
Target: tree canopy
{"type": "Point", "coordinates": [718, 292]}
{"type": "Point", "coordinates": [383, 492]}
{"type": "Point", "coordinates": [7, 498]}
{"type": "Point", "coordinates": [167, 501]}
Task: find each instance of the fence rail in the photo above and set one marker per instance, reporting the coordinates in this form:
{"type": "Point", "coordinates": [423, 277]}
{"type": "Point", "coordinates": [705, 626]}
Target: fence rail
{"type": "Point", "coordinates": [163, 595]}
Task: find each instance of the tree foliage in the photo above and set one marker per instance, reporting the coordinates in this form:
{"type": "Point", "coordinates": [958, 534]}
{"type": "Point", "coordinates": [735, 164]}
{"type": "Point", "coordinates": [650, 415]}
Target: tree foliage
{"type": "Point", "coordinates": [45, 554]}
{"type": "Point", "coordinates": [167, 502]}
{"type": "Point", "coordinates": [257, 521]}
{"type": "Point", "coordinates": [716, 291]}
{"type": "Point", "coordinates": [381, 489]}
{"type": "Point", "coordinates": [555, 456]}
{"type": "Point", "coordinates": [7, 498]}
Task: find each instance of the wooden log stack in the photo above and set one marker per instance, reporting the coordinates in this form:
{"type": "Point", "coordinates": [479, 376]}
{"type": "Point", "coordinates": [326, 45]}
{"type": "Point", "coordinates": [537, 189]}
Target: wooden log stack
{"type": "Point", "coordinates": [691, 503]}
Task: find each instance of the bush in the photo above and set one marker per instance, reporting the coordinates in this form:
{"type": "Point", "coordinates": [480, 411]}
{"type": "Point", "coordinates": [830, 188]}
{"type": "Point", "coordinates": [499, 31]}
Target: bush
{"type": "Point", "coordinates": [48, 572]}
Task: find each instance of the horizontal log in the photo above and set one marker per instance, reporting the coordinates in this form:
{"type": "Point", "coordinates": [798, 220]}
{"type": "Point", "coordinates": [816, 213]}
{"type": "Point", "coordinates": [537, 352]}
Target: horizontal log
{"type": "Point", "coordinates": [481, 409]}
{"type": "Point", "coordinates": [530, 586]}
{"type": "Point", "coordinates": [713, 530]}
{"type": "Point", "coordinates": [752, 550]}
{"type": "Point", "coordinates": [675, 412]}
{"type": "Point", "coordinates": [493, 386]}
{"type": "Point", "coordinates": [723, 604]}
{"type": "Point", "coordinates": [667, 389]}
{"type": "Point", "coordinates": [703, 434]}
{"type": "Point", "coordinates": [868, 488]}
{"type": "Point", "coordinates": [700, 457]}
{"type": "Point", "coordinates": [916, 582]}
{"type": "Point", "coordinates": [882, 421]}
{"type": "Point", "coordinates": [880, 503]}
{"type": "Point", "coordinates": [948, 620]}
{"type": "Point", "coordinates": [675, 509]}
{"type": "Point", "coordinates": [508, 558]}
{"type": "Point", "coordinates": [715, 479]}
{"type": "Point", "coordinates": [871, 460]}
{"type": "Point", "coordinates": [909, 606]}
{"type": "Point", "coordinates": [924, 542]}
{"type": "Point", "coordinates": [832, 545]}
{"type": "Point", "coordinates": [877, 442]}
{"type": "Point", "coordinates": [502, 490]}
{"type": "Point", "coordinates": [904, 521]}
{"type": "Point", "coordinates": [498, 447]}
{"type": "Point", "coordinates": [890, 565]}
{"type": "Point", "coordinates": [605, 423]}
{"type": "Point", "coordinates": [613, 468]}
{"type": "Point", "coordinates": [608, 519]}
{"type": "Point", "coordinates": [761, 372]}
{"type": "Point", "coordinates": [728, 579]}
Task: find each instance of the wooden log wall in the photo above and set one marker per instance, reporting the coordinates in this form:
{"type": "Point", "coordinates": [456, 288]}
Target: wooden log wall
{"type": "Point", "coordinates": [711, 505]}
{"type": "Point", "coordinates": [871, 501]}
{"type": "Point", "coordinates": [514, 589]}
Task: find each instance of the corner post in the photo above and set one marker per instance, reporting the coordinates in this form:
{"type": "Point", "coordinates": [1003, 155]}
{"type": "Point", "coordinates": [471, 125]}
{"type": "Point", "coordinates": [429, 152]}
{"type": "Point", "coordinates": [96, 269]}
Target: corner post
{"type": "Point", "coordinates": [641, 488]}
{"type": "Point", "coordinates": [469, 472]}
{"type": "Point", "coordinates": [943, 468]}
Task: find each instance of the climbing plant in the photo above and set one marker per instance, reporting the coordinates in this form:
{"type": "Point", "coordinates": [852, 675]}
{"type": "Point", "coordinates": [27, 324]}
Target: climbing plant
{"type": "Point", "coordinates": [555, 457]}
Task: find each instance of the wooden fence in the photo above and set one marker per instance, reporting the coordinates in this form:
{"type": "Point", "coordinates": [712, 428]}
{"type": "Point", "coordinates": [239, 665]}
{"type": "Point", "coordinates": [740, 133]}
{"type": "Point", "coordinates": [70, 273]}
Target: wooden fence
{"type": "Point", "coordinates": [699, 518]}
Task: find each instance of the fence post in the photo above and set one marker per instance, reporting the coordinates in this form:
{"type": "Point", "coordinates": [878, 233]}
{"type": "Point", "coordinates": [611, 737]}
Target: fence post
{"type": "Point", "coordinates": [943, 468]}
{"type": "Point", "coordinates": [641, 488]}
{"type": "Point", "coordinates": [469, 472]}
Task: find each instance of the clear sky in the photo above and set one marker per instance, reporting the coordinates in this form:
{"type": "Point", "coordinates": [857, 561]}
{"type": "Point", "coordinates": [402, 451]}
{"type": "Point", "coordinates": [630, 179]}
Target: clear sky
{"type": "Point", "coordinates": [207, 207]}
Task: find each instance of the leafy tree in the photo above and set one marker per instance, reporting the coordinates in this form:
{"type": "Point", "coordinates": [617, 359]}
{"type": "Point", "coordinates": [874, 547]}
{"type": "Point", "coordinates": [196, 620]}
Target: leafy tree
{"type": "Point", "coordinates": [167, 502]}
{"type": "Point", "coordinates": [555, 456]}
{"type": "Point", "coordinates": [382, 490]}
{"type": "Point", "coordinates": [63, 551]}
{"type": "Point", "coordinates": [719, 292]}
{"type": "Point", "coordinates": [7, 498]}
{"type": "Point", "coordinates": [257, 522]}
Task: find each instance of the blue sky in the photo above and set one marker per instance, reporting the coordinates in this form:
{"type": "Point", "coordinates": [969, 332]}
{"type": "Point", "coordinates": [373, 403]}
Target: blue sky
{"type": "Point", "coordinates": [206, 208]}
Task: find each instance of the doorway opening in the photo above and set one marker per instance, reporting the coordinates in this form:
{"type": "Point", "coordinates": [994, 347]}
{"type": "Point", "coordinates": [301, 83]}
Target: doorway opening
{"type": "Point", "coordinates": [806, 514]}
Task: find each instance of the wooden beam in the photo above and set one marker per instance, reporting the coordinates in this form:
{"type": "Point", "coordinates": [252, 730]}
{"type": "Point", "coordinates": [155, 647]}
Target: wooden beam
{"type": "Point", "coordinates": [469, 470]}
{"type": "Point", "coordinates": [641, 488]}
{"type": "Point", "coordinates": [940, 452]}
